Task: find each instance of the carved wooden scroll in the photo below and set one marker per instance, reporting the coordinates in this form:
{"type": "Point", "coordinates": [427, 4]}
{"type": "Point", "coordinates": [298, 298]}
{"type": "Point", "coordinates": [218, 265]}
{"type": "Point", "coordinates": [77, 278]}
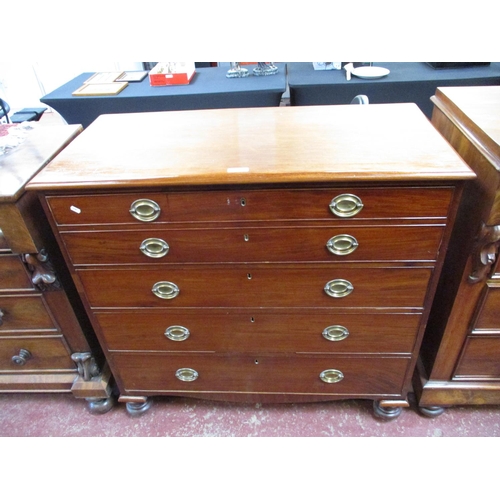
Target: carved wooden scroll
{"type": "Point", "coordinates": [485, 253]}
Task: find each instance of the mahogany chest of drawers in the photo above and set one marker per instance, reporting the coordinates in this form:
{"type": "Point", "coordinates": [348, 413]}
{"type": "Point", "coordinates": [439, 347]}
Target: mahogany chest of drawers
{"type": "Point", "coordinates": [257, 255]}
{"type": "Point", "coordinates": [460, 359]}
{"type": "Point", "coordinates": [45, 340]}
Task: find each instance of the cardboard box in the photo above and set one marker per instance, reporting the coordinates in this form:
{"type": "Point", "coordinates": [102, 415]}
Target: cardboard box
{"type": "Point", "coordinates": [171, 73]}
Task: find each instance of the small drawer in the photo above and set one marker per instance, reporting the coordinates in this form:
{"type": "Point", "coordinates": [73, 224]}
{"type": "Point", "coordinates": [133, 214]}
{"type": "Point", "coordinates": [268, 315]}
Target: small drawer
{"type": "Point", "coordinates": [354, 376]}
{"type": "Point", "coordinates": [249, 205]}
{"type": "Point", "coordinates": [24, 313]}
{"type": "Point", "coordinates": [13, 274]}
{"type": "Point", "coordinates": [480, 359]}
{"type": "Point", "coordinates": [258, 331]}
{"type": "Point", "coordinates": [254, 286]}
{"type": "Point", "coordinates": [28, 354]}
{"type": "Point", "coordinates": [488, 316]}
{"type": "Point", "coordinates": [252, 244]}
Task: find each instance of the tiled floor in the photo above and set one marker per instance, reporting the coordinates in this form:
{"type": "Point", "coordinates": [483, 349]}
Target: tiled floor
{"type": "Point", "coordinates": [63, 416]}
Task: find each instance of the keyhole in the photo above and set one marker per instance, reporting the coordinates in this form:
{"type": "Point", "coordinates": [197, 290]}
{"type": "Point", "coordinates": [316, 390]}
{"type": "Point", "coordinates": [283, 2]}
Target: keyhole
{"type": "Point", "coordinates": [246, 237]}
{"type": "Point", "coordinates": [252, 320]}
{"type": "Point", "coordinates": [256, 361]}
{"type": "Point", "coordinates": [243, 202]}
{"type": "Point", "coordinates": [249, 276]}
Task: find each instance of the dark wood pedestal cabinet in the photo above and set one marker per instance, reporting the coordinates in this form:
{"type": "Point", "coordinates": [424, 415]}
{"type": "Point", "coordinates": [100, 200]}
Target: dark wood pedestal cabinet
{"type": "Point", "coordinates": [258, 255]}
{"type": "Point", "coordinates": [46, 341]}
{"type": "Point", "coordinates": [460, 360]}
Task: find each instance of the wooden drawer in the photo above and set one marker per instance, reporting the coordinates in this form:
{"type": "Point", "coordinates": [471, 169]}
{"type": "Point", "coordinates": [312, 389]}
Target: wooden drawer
{"type": "Point", "coordinates": [252, 244]}
{"type": "Point", "coordinates": [254, 286]}
{"type": "Point", "coordinates": [265, 374]}
{"type": "Point", "coordinates": [13, 274]}
{"type": "Point", "coordinates": [248, 205]}
{"type": "Point", "coordinates": [258, 331]}
{"type": "Point", "coordinates": [47, 353]}
{"type": "Point", "coordinates": [25, 313]}
{"type": "Point", "coordinates": [488, 317]}
{"type": "Point", "coordinates": [480, 358]}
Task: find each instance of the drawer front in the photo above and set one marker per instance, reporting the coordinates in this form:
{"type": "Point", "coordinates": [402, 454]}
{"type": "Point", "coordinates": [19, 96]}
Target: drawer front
{"type": "Point", "coordinates": [266, 374]}
{"type": "Point", "coordinates": [252, 286]}
{"type": "Point", "coordinates": [251, 244]}
{"type": "Point", "coordinates": [43, 354]}
{"type": "Point", "coordinates": [24, 313]}
{"type": "Point", "coordinates": [13, 274]}
{"type": "Point", "coordinates": [480, 359]}
{"type": "Point", "coordinates": [259, 332]}
{"type": "Point", "coordinates": [488, 317]}
{"type": "Point", "coordinates": [248, 205]}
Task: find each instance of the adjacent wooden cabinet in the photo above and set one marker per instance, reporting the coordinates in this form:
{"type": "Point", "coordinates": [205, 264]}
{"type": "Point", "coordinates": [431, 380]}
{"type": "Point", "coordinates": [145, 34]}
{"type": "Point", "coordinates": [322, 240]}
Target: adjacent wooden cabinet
{"type": "Point", "coordinates": [460, 360]}
{"type": "Point", "coordinates": [258, 255]}
{"type": "Point", "coordinates": [46, 341]}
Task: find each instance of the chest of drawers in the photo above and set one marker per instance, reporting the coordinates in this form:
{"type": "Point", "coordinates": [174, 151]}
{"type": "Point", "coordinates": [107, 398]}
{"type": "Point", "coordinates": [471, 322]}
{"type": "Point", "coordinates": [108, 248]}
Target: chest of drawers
{"type": "Point", "coordinates": [460, 359]}
{"type": "Point", "coordinates": [257, 255]}
{"type": "Point", "coordinates": [45, 339]}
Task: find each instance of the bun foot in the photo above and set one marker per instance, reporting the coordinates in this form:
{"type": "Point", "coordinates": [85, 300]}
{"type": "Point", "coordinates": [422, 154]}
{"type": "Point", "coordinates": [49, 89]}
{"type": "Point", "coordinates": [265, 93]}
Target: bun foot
{"type": "Point", "coordinates": [386, 412]}
{"type": "Point", "coordinates": [431, 411]}
{"type": "Point", "coordinates": [135, 409]}
{"type": "Point", "coordinates": [100, 406]}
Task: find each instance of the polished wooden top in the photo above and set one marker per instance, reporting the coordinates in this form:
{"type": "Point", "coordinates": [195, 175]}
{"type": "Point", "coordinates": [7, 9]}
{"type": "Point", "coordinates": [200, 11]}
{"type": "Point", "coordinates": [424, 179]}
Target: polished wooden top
{"type": "Point", "coordinates": [476, 110]}
{"type": "Point", "coordinates": [255, 145]}
{"type": "Point", "coordinates": [40, 145]}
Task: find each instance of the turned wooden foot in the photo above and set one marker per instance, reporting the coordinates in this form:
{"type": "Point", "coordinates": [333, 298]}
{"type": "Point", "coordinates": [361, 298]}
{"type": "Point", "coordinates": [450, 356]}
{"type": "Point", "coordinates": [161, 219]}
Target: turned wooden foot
{"type": "Point", "coordinates": [100, 406]}
{"type": "Point", "coordinates": [135, 409]}
{"type": "Point", "coordinates": [386, 412]}
{"type": "Point", "coordinates": [431, 411]}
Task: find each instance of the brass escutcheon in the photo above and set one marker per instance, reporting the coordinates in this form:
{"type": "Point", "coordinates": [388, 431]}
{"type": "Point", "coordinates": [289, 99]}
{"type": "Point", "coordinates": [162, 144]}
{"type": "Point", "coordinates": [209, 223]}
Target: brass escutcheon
{"type": "Point", "coordinates": [342, 244]}
{"type": "Point", "coordinates": [154, 248]}
{"type": "Point", "coordinates": [165, 290]}
{"type": "Point", "coordinates": [186, 374]}
{"type": "Point", "coordinates": [331, 376]}
{"type": "Point", "coordinates": [346, 205]}
{"type": "Point", "coordinates": [335, 333]}
{"type": "Point", "coordinates": [177, 333]}
{"type": "Point", "coordinates": [145, 210]}
{"type": "Point", "coordinates": [338, 288]}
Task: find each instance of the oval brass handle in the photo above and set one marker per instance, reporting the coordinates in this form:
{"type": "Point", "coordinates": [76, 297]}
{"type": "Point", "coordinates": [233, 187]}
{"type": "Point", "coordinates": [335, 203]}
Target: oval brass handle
{"type": "Point", "coordinates": [338, 288]}
{"type": "Point", "coordinates": [154, 248]}
{"type": "Point", "coordinates": [335, 333]}
{"type": "Point", "coordinates": [2, 314]}
{"type": "Point", "coordinates": [177, 333]}
{"type": "Point", "coordinates": [346, 205]}
{"type": "Point", "coordinates": [145, 210]}
{"type": "Point", "coordinates": [331, 376]}
{"type": "Point", "coordinates": [21, 358]}
{"type": "Point", "coordinates": [186, 374]}
{"type": "Point", "coordinates": [165, 290]}
{"type": "Point", "coordinates": [342, 244]}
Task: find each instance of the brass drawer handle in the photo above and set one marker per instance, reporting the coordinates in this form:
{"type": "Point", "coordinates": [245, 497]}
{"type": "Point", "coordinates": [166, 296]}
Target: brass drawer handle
{"type": "Point", "coordinates": [335, 333]}
{"type": "Point", "coordinates": [154, 248]}
{"type": "Point", "coordinates": [145, 210]}
{"type": "Point", "coordinates": [186, 374]}
{"type": "Point", "coordinates": [177, 333]}
{"type": "Point", "coordinates": [165, 290]}
{"type": "Point", "coordinates": [342, 244]}
{"type": "Point", "coordinates": [338, 288]}
{"type": "Point", "coordinates": [331, 376]}
{"type": "Point", "coordinates": [21, 358]}
{"type": "Point", "coordinates": [346, 205]}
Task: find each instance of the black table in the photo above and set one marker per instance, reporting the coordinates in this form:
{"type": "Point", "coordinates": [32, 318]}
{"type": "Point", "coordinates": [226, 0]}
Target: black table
{"type": "Point", "coordinates": [208, 89]}
{"type": "Point", "coordinates": [407, 82]}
